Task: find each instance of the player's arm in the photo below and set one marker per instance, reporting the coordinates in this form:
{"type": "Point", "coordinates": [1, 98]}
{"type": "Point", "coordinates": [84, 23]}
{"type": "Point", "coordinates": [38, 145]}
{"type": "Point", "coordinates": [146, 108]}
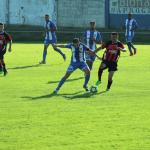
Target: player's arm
{"type": "Point", "coordinates": [60, 45]}
{"type": "Point", "coordinates": [9, 41]}
{"type": "Point", "coordinates": [121, 47]}
{"type": "Point", "coordinates": [135, 26]}
{"type": "Point", "coordinates": [63, 45]}
{"type": "Point", "coordinates": [90, 52]}
{"type": "Point", "coordinates": [100, 48]}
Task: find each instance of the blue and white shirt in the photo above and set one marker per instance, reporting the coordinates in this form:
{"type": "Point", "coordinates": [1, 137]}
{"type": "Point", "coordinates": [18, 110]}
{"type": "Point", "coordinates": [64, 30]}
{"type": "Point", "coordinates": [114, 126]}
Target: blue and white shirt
{"type": "Point", "coordinates": [50, 35]}
{"type": "Point", "coordinates": [78, 54]}
{"type": "Point", "coordinates": [89, 35]}
{"type": "Point", "coordinates": [130, 25]}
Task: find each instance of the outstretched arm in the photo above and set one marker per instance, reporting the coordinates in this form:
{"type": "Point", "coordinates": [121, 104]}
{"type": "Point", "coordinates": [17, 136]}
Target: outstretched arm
{"type": "Point", "coordinates": [122, 49]}
{"type": "Point", "coordinates": [60, 45]}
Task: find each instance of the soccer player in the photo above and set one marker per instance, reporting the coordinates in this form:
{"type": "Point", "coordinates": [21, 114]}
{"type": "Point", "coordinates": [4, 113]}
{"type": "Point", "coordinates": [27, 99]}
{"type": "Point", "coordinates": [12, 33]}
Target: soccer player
{"type": "Point", "coordinates": [77, 62]}
{"type": "Point", "coordinates": [5, 39]}
{"type": "Point", "coordinates": [131, 26]}
{"type": "Point", "coordinates": [91, 37]}
{"type": "Point", "coordinates": [50, 38]}
{"type": "Point", "coordinates": [110, 58]}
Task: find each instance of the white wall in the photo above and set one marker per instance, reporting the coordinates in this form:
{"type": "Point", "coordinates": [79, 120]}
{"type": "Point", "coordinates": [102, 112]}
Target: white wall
{"type": "Point", "coordinates": [28, 11]}
{"type": "Point", "coordinates": [78, 13]}
{"type": "Point", "coordinates": [3, 11]}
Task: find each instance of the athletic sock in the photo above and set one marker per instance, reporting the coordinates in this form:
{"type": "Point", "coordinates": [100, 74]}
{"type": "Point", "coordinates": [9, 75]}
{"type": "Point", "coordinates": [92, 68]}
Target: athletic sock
{"type": "Point", "coordinates": [109, 84]}
{"type": "Point", "coordinates": [44, 55]}
{"type": "Point", "coordinates": [87, 78]}
{"type": "Point", "coordinates": [129, 47]}
{"type": "Point", "coordinates": [60, 83]}
{"type": "Point", "coordinates": [100, 72]}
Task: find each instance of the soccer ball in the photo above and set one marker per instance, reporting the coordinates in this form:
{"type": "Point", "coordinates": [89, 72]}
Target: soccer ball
{"type": "Point", "coordinates": [93, 89]}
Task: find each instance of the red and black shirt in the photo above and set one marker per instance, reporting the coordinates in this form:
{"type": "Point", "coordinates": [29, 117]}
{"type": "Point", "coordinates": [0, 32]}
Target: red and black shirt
{"type": "Point", "coordinates": [112, 52]}
{"type": "Point", "coordinates": [4, 39]}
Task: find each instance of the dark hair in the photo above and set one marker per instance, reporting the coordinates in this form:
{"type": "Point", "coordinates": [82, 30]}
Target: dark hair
{"type": "Point", "coordinates": [75, 40]}
{"type": "Point", "coordinates": [114, 33]}
{"type": "Point", "coordinates": [47, 15]}
{"type": "Point", "coordinates": [1, 24]}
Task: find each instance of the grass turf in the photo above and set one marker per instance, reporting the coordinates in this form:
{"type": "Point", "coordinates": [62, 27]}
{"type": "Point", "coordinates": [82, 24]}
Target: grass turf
{"type": "Point", "coordinates": [31, 118]}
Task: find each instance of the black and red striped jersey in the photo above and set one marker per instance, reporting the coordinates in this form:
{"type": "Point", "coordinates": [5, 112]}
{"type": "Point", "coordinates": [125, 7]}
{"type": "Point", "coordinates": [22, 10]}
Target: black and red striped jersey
{"type": "Point", "coordinates": [112, 53]}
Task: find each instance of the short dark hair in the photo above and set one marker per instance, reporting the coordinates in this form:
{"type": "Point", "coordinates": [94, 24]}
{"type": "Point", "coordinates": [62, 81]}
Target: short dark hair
{"type": "Point", "coordinates": [47, 15]}
{"type": "Point", "coordinates": [75, 40]}
{"type": "Point", "coordinates": [114, 33]}
{"type": "Point", "coordinates": [1, 23]}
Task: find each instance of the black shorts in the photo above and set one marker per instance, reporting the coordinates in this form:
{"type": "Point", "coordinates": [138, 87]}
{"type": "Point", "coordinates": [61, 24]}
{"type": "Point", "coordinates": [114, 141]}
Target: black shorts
{"type": "Point", "coordinates": [2, 53]}
{"type": "Point", "coordinates": [112, 66]}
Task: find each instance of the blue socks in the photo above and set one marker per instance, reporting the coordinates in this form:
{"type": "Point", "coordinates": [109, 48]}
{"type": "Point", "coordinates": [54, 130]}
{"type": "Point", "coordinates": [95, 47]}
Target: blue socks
{"type": "Point", "coordinates": [87, 78]}
{"type": "Point", "coordinates": [60, 83]}
{"type": "Point", "coordinates": [44, 55]}
{"type": "Point", "coordinates": [129, 47]}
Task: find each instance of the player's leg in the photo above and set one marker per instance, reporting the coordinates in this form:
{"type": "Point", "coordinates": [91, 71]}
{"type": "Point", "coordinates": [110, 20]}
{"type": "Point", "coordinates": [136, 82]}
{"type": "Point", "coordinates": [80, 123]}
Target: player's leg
{"type": "Point", "coordinates": [1, 66]}
{"type": "Point", "coordinates": [110, 76]}
{"type": "Point", "coordinates": [133, 45]}
{"type": "Point", "coordinates": [102, 67]}
{"type": "Point", "coordinates": [70, 70]}
{"type": "Point", "coordinates": [62, 81]}
{"type": "Point", "coordinates": [112, 67]}
{"type": "Point", "coordinates": [84, 67]}
{"type": "Point", "coordinates": [3, 63]}
{"type": "Point", "coordinates": [59, 51]}
{"type": "Point", "coordinates": [4, 67]}
{"type": "Point", "coordinates": [87, 78]}
{"type": "Point", "coordinates": [128, 40]}
{"type": "Point", "coordinates": [90, 64]}
{"type": "Point", "coordinates": [90, 60]}
{"type": "Point", "coordinates": [44, 53]}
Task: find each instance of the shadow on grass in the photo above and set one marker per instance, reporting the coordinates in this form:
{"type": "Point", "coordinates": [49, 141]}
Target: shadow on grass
{"type": "Point", "coordinates": [25, 67]}
{"type": "Point", "coordinates": [31, 66]}
{"type": "Point", "coordinates": [68, 80]}
{"type": "Point", "coordinates": [83, 95]}
{"type": "Point", "coordinates": [69, 96]}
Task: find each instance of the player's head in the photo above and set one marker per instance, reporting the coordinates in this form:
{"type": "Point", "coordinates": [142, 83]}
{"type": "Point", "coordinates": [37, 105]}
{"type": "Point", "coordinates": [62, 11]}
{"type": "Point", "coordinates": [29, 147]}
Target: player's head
{"type": "Point", "coordinates": [114, 36]}
{"type": "Point", "coordinates": [76, 42]}
{"type": "Point", "coordinates": [92, 25]}
{"type": "Point", "coordinates": [1, 27]}
{"type": "Point", "coordinates": [47, 17]}
{"type": "Point", "coordinates": [129, 15]}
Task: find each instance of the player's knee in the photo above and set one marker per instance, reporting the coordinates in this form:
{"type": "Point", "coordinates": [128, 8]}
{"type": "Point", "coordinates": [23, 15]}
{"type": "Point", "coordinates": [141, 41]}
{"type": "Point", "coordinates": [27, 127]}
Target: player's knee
{"type": "Point", "coordinates": [87, 72]}
{"type": "Point", "coordinates": [128, 43]}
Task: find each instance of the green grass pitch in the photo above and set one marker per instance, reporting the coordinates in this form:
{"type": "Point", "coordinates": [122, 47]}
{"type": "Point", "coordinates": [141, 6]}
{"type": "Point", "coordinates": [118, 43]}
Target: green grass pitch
{"type": "Point", "coordinates": [33, 119]}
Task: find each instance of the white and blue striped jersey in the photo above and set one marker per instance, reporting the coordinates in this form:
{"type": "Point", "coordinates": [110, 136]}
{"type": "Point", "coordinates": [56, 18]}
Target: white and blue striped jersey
{"type": "Point", "coordinates": [88, 38]}
{"type": "Point", "coordinates": [50, 35]}
{"type": "Point", "coordinates": [78, 54]}
{"type": "Point", "coordinates": [130, 25]}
